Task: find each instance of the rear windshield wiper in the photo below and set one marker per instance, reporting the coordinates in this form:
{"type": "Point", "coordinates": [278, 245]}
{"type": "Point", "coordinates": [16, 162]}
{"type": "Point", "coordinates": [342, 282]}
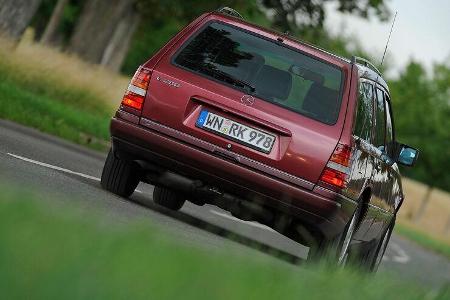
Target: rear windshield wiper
{"type": "Point", "coordinates": [228, 78]}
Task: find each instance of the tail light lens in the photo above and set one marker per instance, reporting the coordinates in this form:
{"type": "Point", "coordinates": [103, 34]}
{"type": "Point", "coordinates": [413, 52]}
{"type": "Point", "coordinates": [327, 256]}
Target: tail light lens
{"type": "Point", "coordinates": [337, 170]}
{"type": "Point", "coordinates": [341, 155]}
{"type": "Point", "coordinates": [137, 89]}
{"type": "Point", "coordinates": [133, 100]}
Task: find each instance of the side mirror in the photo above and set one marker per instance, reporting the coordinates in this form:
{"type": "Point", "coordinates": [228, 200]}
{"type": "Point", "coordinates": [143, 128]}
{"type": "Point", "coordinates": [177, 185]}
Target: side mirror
{"type": "Point", "coordinates": [407, 155]}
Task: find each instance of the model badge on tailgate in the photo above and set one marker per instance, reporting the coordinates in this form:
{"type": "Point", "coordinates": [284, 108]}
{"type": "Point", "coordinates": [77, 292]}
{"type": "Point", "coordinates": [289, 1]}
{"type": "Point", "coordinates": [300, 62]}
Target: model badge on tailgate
{"type": "Point", "coordinates": [168, 82]}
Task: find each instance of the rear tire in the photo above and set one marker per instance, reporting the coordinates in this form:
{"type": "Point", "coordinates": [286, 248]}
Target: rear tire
{"type": "Point", "coordinates": [370, 255]}
{"type": "Point", "coordinates": [344, 246]}
{"type": "Point", "coordinates": [381, 248]}
{"type": "Point", "coordinates": [336, 251]}
{"type": "Point", "coordinates": [119, 176]}
{"type": "Point", "coordinates": [168, 198]}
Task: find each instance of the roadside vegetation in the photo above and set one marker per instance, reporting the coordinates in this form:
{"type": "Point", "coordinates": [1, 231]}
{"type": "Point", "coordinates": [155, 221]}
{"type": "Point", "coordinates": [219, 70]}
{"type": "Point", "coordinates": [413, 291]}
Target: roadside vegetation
{"type": "Point", "coordinates": [57, 93]}
{"type": "Point", "coordinates": [48, 252]}
{"type": "Point", "coordinates": [439, 246]}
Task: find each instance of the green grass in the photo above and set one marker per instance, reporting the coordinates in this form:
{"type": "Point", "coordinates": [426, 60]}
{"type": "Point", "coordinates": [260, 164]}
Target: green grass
{"type": "Point", "coordinates": [57, 93]}
{"type": "Point", "coordinates": [70, 122]}
{"type": "Point", "coordinates": [423, 240]}
{"type": "Point", "coordinates": [49, 253]}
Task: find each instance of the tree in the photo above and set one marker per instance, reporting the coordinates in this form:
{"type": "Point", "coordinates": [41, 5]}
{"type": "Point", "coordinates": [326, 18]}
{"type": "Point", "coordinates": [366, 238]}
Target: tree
{"type": "Point", "coordinates": [422, 119]}
{"type": "Point", "coordinates": [15, 15]}
{"type": "Point", "coordinates": [299, 15]}
{"type": "Point", "coordinates": [100, 21]}
{"type": "Point", "coordinates": [52, 26]}
{"type": "Point", "coordinates": [186, 10]}
{"type": "Point", "coordinates": [118, 45]}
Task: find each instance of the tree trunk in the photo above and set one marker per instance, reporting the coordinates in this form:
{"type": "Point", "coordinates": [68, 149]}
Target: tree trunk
{"type": "Point", "coordinates": [96, 27]}
{"type": "Point", "coordinates": [52, 26]}
{"type": "Point", "coordinates": [15, 15]}
{"type": "Point", "coordinates": [447, 226]}
{"type": "Point", "coordinates": [119, 44]}
{"type": "Point", "coordinates": [423, 205]}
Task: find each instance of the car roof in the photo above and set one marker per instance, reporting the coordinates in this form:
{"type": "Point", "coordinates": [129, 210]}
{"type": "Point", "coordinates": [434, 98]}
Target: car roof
{"type": "Point", "coordinates": [367, 73]}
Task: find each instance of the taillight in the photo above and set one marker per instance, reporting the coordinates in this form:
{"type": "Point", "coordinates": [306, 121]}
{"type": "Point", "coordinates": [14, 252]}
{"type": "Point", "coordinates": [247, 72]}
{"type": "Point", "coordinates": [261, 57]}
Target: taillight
{"type": "Point", "coordinates": [137, 89]}
{"type": "Point", "coordinates": [341, 155]}
{"type": "Point", "coordinates": [337, 169]}
{"type": "Point", "coordinates": [133, 100]}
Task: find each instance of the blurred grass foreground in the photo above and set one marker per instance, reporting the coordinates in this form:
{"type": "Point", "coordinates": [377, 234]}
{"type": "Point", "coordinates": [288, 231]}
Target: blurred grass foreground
{"type": "Point", "coordinates": [57, 93]}
{"type": "Point", "coordinates": [49, 253]}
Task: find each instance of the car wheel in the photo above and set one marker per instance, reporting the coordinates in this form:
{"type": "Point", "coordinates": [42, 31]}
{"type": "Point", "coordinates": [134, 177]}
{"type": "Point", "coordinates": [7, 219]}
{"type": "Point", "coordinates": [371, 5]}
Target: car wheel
{"type": "Point", "coordinates": [381, 248]}
{"type": "Point", "coordinates": [369, 255]}
{"type": "Point", "coordinates": [336, 251]}
{"type": "Point", "coordinates": [346, 238]}
{"type": "Point", "coordinates": [119, 176]}
{"type": "Point", "coordinates": [168, 198]}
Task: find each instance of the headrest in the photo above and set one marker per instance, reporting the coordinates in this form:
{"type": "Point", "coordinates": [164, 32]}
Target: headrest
{"type": "Point", "coordinates": [322, 102]}
{"type": "Point", "coordinates": [273, 83]}
{"type": "Point", "coordinates": [248, 68]}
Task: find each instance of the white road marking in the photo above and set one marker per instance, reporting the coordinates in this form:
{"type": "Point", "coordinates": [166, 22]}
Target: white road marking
{"type": "Point", "coordinates": [57, 168]}
{"type": "Point", "coordinates": [398, 255]}
{"type": "Point", "coordinates": [254, 224]}
{"type": "Point", "coordinates": [53, 167]}
{"type": "Point", "coordinates": [401, 256]}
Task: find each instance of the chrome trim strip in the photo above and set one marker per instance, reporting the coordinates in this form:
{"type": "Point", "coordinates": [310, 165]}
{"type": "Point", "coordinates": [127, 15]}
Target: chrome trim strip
{"type": "Point", "coordinates": [127, 116]}
{"type": "Point", "coordinates": [381, 209]}
{"type": "Point", "coordinates": [338, 167]}
{"type": "Point", "coordinates": [239, 158]}
{"type": "Point", "coordinates": [137, 90]}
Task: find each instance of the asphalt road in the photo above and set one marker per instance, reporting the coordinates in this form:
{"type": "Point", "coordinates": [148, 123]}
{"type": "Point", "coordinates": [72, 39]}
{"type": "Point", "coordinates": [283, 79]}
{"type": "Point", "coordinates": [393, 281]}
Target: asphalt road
{"type": "Point", "coordinates": [60, 170]}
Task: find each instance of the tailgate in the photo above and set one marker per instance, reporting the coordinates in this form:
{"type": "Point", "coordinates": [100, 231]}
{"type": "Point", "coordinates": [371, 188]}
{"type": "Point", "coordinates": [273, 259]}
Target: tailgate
{"type": "Point", "coordinates": [255, 123]}
{"type": "Point", "coordinates": [301, 146]}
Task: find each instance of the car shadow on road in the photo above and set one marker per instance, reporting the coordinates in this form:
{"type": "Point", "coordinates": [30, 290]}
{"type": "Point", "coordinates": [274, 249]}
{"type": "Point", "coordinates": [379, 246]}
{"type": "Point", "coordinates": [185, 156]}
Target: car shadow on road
{"type": "Point", "coordinates": [146, 202]}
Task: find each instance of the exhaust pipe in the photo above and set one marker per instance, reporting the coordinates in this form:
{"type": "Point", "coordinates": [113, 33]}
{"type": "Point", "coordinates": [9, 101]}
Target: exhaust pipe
{"type": "Point", "coordinates": [199, 193]}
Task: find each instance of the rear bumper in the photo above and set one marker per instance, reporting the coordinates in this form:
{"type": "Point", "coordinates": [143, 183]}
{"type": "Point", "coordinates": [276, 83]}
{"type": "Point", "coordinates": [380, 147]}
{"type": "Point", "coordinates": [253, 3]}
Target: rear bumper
{"type": "Point", "coordinates": [317, 208]}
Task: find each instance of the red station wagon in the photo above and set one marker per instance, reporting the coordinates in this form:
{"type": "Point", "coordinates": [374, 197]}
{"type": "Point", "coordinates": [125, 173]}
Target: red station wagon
{"type": "Point", "coordinates": [269, 128]}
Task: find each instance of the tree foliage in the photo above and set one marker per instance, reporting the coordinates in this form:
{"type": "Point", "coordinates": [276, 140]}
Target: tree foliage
{"type": "Point", "coordinates": [421, 106]}
{"type": "Point", "coordinates": [187, 10]}
{"type": "Point", "coordinates": [300, 15]}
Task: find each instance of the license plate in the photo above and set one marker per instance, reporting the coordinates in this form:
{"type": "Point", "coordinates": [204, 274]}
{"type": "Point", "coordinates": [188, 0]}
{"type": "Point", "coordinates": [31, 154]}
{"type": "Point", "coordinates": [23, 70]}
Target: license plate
{"type": "Point", "coordinates": [235, 131]}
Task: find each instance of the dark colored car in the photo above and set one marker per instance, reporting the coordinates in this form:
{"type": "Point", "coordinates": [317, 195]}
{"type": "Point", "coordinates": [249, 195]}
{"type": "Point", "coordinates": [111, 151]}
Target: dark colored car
{"type": "Point", "coordinates": [269, 128]}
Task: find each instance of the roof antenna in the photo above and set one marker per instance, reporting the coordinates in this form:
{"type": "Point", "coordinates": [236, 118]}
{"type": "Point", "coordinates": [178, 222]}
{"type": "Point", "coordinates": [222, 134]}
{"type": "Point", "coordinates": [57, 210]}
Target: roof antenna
{"type": "Point", "coordinates": [387, 43]}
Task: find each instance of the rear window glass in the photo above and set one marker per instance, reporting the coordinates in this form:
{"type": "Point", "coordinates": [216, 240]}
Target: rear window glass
{"type": "Point", "coordinates": [265, 69]}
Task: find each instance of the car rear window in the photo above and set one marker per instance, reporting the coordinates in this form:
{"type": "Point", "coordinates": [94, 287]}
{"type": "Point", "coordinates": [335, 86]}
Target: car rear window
{"type": "Point", "coordinates": [266, 69]}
